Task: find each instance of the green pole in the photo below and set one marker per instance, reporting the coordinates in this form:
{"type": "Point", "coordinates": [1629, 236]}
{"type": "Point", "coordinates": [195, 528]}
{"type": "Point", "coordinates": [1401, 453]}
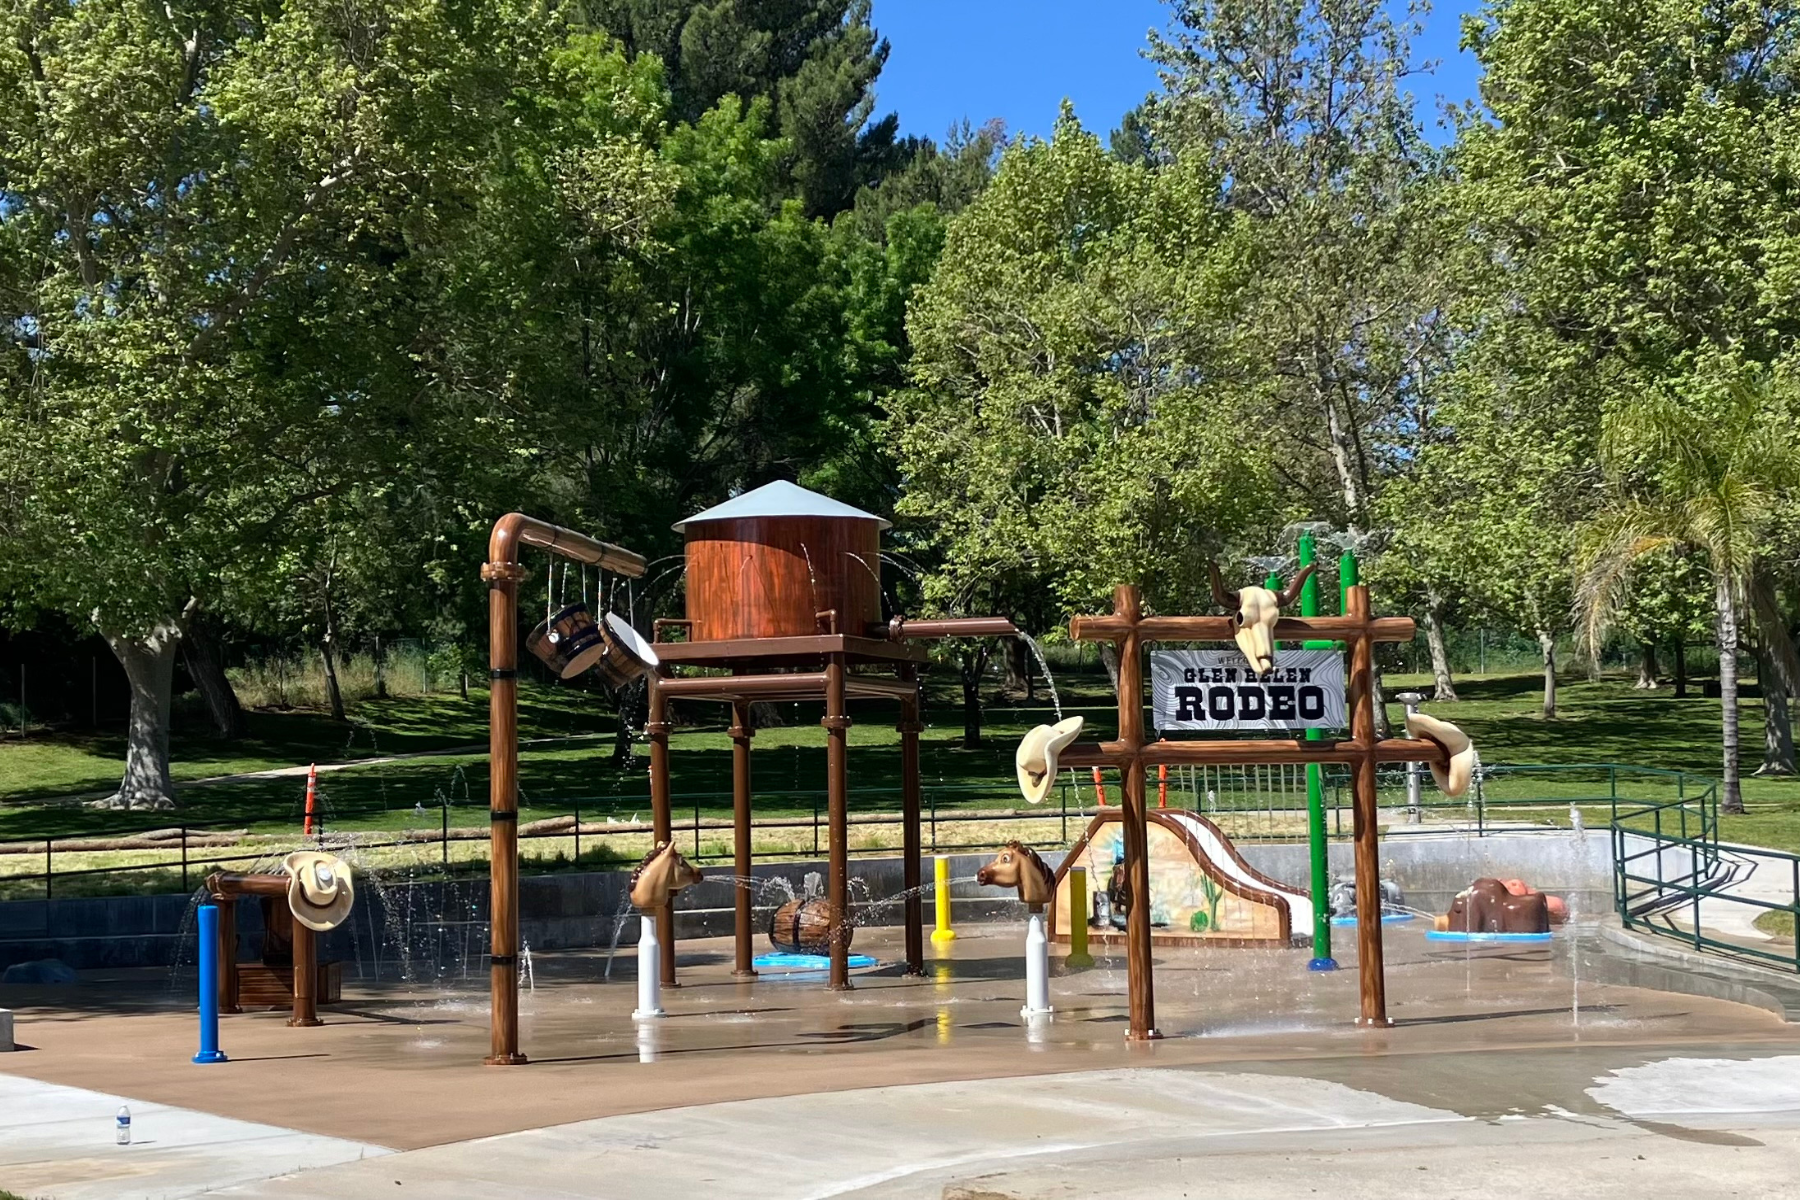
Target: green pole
{"type": "Point", "coordinates": [1315, 791]}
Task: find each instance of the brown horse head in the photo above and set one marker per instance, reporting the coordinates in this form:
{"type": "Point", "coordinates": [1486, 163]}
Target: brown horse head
{"type": "Point", "coordinates": [1018, 866]}
{"type": "Point", "coordinates": [662, 873]}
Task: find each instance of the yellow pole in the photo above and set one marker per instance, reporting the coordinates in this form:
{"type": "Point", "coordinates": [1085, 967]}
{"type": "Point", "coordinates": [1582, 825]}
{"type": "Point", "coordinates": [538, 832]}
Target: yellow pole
{"type": "Point", "coordinates": [941, 877]}
{"type": "Point", "coordinates": [1078, 913]}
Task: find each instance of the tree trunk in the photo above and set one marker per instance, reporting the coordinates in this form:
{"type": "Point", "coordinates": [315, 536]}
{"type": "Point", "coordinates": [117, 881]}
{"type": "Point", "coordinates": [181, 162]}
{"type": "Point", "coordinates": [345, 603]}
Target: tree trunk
{"type": "Point", "coordinates": [1017, 661]}
{"type": "Point", "coordinates": [1680, 670]}
{"type": "Point", "coordinates": [974, 666]}
{"type": "Point", "coordinates": [1725, 634]}
{"type": "Point", "coordinates": [1440, 658]}
{"type": "Point", "coordinates": [1547, 645]}
{"type": "Point", "coordinates": [331, 680]}
{"type": "Point", "coordinates": [1646, 666]}
{"type": "Point", "coordinates": [1779, 670]}
{"type": "Point", "coordinates": [1778, 729]}
{"type": "Point", "coordinates": [149, 664]}
{"type": "Point", "coordinates": [200, 651]}
{"type": "Point", "coordinates": [1382, 726]}
{"type": "Point", "coordinates": [1109, 659]}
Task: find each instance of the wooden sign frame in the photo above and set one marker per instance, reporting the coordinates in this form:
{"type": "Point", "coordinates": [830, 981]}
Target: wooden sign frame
{"type": "Point", "coordinates": [1130, 631]}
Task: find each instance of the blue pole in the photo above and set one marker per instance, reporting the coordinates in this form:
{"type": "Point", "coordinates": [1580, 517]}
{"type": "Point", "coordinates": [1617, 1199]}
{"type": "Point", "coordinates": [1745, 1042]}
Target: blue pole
{"type": "Point", "coordinates": [209, 986]}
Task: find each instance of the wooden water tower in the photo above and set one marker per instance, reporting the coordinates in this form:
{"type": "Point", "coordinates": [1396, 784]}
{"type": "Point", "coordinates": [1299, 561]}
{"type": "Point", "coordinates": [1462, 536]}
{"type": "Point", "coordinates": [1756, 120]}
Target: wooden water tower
{"type": "Point", "coordinates": [782, 562]}
{"type": "Point", "coordinates": [784, 589]}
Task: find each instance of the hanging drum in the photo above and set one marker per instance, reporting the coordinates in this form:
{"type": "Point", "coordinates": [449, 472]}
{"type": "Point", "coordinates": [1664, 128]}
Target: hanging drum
{"type": "Point", "coordinates": [568, 643]}
{"type": "Point", "coordinates": [627, 655]}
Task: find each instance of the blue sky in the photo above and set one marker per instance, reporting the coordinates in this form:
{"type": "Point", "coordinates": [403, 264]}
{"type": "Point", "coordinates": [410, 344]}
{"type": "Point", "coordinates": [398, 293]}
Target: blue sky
{"type": "Point", "coordinates": [1017, 59]}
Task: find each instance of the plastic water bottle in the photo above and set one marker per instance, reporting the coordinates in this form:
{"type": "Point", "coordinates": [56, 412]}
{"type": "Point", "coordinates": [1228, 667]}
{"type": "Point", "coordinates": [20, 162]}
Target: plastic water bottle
{"type": "Point", "coordinates": [122, 1126]}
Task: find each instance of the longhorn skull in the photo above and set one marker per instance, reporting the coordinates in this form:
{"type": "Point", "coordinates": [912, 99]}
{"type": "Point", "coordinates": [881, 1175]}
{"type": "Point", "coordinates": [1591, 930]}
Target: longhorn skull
{"type": "Point", "coordinates": [1254, 613]}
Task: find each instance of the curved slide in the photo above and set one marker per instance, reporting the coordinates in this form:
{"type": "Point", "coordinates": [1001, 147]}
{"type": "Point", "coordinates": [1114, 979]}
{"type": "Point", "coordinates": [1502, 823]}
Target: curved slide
{"type": "Point", "coordinates": [1224, 858]}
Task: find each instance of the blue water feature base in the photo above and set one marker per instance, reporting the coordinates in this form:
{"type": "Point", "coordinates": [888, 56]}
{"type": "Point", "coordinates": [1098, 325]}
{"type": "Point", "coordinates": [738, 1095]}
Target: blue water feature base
{"type": "Point", "coordinates": [1451, 935]}
{"type": "Point", "coordinates": [1387, 918]}
{"type": "Point", "coordinates": [1322, 964]}
{"type": "Point", "coordinates": [805, 962]}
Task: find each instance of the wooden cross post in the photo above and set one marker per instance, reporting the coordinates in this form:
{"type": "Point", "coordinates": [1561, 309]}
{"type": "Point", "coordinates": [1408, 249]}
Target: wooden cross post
{"type": "Point", "coordinates": [1128, 629]}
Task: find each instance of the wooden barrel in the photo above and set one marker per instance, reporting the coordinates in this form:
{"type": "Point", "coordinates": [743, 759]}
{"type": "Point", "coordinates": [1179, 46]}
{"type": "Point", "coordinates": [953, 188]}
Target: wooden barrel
{"type": "Point", "coordinates": [804, 927]}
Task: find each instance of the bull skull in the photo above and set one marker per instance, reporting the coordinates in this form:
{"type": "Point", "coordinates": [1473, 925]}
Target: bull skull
{"type": "Point", "coordinates": [1254, 612]}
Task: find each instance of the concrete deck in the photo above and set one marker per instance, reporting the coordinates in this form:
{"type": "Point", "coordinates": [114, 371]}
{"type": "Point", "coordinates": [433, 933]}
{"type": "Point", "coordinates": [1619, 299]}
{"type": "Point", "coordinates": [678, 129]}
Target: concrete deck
{"type": "Point", "coordinates": [924, 1087]}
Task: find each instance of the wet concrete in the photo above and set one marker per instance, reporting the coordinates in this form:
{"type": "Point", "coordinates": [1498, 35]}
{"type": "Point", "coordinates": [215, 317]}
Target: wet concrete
{"type": "Point", "coordinates": [1485, 1037]}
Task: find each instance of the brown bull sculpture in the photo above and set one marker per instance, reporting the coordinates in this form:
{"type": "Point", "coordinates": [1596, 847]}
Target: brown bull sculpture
{"type": "Point", "coordinates": [1489, 906]}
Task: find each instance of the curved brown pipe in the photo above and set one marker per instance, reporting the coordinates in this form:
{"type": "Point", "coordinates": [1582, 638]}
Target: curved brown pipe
{"type": "Point", "coordinates": [902, 629]}
{"type": "Point", "coordinates": [515, 529]}
{"type": "Point", "coordinates": [225, 884]}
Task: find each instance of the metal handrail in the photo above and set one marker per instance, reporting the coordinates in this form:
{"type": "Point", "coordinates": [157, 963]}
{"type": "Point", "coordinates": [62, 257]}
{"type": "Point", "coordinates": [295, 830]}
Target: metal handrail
{"type": "Point", "coordinates": [1647, 899]}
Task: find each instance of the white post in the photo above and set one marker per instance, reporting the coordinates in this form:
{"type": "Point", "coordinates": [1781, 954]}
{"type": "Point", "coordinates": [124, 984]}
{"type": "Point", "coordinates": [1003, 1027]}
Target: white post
{"type": "Point", "coordinates": [1037, 967]}
{"type": "Point", "coordinates": [649, 961]}
{"type": "Point", "coordinates": [1415, 810]}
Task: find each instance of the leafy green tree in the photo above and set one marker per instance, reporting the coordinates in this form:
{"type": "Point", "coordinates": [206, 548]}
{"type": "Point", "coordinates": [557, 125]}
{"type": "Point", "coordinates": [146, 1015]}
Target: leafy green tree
{"type": "Point", "coordinates": [1630, 196]}
{"type": "Point", "coordinates": [1711, 474]}
{"type": "Point", "coordinates": [1669, 604]}
{"type": "Point", "coordinates": [213, 221]}
{"type": "Point", "coordinates": [1502, 478]}
{"type": "Point", "coordinates": [813, 61]}
{"type": "Point", "coordinates": [1636, 175]}
{"type": "Point", "coordinates": [1298, 110]}
{"type": "Point", "coordinates": [1065, 429]}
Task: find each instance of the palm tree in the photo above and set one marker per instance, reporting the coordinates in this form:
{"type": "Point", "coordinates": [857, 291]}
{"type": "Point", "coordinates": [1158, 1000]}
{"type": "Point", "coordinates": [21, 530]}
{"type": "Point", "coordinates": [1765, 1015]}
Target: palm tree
{"type": "Point", "coordinates": [1711, 478]}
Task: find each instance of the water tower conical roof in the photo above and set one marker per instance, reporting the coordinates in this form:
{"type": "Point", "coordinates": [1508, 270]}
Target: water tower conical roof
{"type": "Point", "coordinates": [779, 499]}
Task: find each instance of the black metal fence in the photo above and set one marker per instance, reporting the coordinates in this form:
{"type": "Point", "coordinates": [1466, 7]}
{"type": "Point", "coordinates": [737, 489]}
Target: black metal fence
{"type": "Point", "coordinates": [448, 840]}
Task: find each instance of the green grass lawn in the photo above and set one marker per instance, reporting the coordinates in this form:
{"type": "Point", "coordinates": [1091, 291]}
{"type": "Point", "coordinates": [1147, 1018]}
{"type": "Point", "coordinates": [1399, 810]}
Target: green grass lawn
{"type": "Point", "coordinates": [1598, 723]}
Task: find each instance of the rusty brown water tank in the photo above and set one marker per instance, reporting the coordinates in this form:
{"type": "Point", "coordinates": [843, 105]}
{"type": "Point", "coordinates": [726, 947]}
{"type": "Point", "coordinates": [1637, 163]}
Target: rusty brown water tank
{"type": "Point", "coordinates": [766, 563]}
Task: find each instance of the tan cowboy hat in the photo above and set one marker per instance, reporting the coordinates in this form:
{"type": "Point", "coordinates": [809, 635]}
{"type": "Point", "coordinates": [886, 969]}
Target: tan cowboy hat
{"type": "Point", "coordinates": [319, 889]}
{"type": "Point", "coordinates": [1036, 758]}
{"type": "Point", "coordinates": [1453, 780]}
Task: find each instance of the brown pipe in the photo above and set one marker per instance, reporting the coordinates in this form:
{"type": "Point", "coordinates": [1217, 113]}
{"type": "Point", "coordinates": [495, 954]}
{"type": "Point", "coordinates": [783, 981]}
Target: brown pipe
{"type": "Point", "coordinates": [515, 529]}
{"type": "Point", "coordinates": [741, 853]}
{"type": "Point", "coordinates": [1246, 752]}
{"type": "Point", "coordinates": [903, 629]}
{"type": "Point", "coordinates": [306, 978]}
{"type": "Point", "coordinates": [1221, 629]}
{"type": "Point", "coordinates": [728, 687]}
{"type": "Point", "coordinates": [223, 885]}
{"type": "Point", "coordinates": [503, 573]}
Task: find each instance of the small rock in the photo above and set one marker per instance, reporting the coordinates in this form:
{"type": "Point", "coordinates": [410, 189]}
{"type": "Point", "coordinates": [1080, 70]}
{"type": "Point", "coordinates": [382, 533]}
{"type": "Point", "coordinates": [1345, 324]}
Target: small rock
{"type": "Point", "coordinates": [42, 971]}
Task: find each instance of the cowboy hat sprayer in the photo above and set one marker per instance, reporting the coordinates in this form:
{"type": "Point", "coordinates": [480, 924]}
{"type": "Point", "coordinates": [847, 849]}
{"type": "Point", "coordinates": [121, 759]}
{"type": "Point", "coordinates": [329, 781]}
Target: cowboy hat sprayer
{"type": "Point", "coordinates": [1452, 777]}
{"type": "Point", "coordinates": [1037, 755]}
{"type": "Point", "coordinates": [1254, 613]}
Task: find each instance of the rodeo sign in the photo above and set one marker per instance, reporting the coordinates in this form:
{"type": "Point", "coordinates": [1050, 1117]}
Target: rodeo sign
{"type": "Point", "coordinates": [1216, 689]}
